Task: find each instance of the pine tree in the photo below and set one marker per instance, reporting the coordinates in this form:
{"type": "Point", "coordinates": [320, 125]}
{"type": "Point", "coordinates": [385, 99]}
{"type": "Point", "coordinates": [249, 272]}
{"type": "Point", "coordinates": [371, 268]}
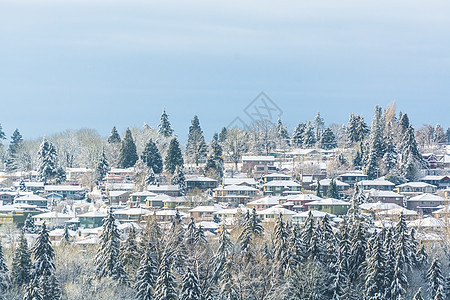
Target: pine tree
{"type": "Point", "coordinates": [128, 155]}
{"type": "Point", "coordinates": [332, 191]}
{"type": "Point", "coordinates": [228, 289]}
{"type": "Point", "coordinates": [108, 259]}
{"type": "Point", "coordinates": [297, 135]}
{"type": "Point", "coordinates": [371, 167]}
{"type": "Point", "coordinates": [165, 288]}
{"type": "Point", "coordinates": [102, 168]}
{"type": "Point", "coordinates": [309, 139]}
{"type": "Point", "coordinates": [179, 180]}
{"type": "Point", "coordinates": [391, 155]}
{"type": "Point", "coordinates": [174, 156]}
{"type": "Point", "coordinates": [4, 273]}
{"type": "Point", "coordinates": [152, 157]}
{"type": "Point", "coordinates": [328, 140]}
{"type": "Point", "coordinates": [164, 127]}
{"type": "Point", "coordinates": [13, 151]}
{"type": "Point", "coordinates": [435, 278]}
{"type": "Point", "coordinates": [196, 146]}
{"type": "Point", "coordinates": [21, 266]}
{"type": "Point", "coordinates": [421, 257]}
{"type": "Point", "coordinates": [47, 160]}
{"type": "Point", "coordinates": [318, 189]}
{"type": "Point", "coordinates": [403, 123]}
{"type": "Point", "coordinates": [214, 162]}
{"type": "Point", "coordinates": [29, 225]}
{"type": "Point", "coordinates": [190, 288]}
{"type": "Point", "coordinates": [146, 277]}
{"type": "Point", "coordinates": [402, 243]}
{"type": "Point", "coordinates": [114, 138]}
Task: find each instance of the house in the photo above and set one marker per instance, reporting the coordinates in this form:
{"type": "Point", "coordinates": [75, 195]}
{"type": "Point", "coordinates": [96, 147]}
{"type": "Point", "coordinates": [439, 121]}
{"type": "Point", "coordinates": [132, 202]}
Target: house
{"type": "Point", "coordinates": [428, 223]}
{"type": "Point", "coordinates": [170, 190]}
{"type": "Point", "coordinates": [258, 164]}
{"type": "Point", "coordinates": [231, 212]}
{"type": "Point", "coordinates": [73, 192]}
{"type": "Point", "coordinates": [271, 214]}
{"type": "Point", "coordinates": [32, 186]}
{"type": "Point", "coordinates": [415, 188]}
{"type": "Point", "coordinates": [264, 203]}
{"type": "Point", "coordinates": [377, 184]}
{"type": "Point", "coordinates": [117, 175]}
{"type": "Point", "coordinates": [275, 176]}
{"type": "Point", "coordinates": [120, 187]}
{"type": "Point", "coordinates": [325, 184]}
{"type": "Point", "coordinates": [53, 219]}
{"type": "Point", "coordinates": [7, 197]}
{"type": "Point", "coordinates": [297, 202]}
{"type": "Point", "coordinates": [352, 177]}
{"type": "Point", "coordinates": [239, 181]}
{"type": "Point", "coordinates": [75, 174]}
{"type": "Point", "coordinates": [138, 198]}
{"type": "Point", "coordinates": [395, 213]}
{"type": "Point", "coordinates": [316, 215]}
{"type": "Point", "coordinates": [200, 182]}
{"type": "Point", "coordinates": [204, 212]}
{"type": "Point", "coordinates": [441, 182]}
{"type": "Point", "coordinates": [330, 205]}
{"type": "Point", "coordinates": [56, 235]}
{"type": "Point", "coordinates": [118, 197]}
{"type": "Point", "coordinates": [444, 212]}
{"type": "Point", "coordinates": [377, 207]}
{"type": "Point", "coordinates": [166, 215]}
{"type": "Point", "coordinates": [130, 214]}
{"type": "Point", "coordinates": [92, 219]}
{"type": "Point", "coordinates": [174, 202]}
{"type": "Point", "coordinates": [32, 200]}
{"type": "Point", "coordinates": [16, 213]}
{"type": "Point", "coordinates": [308, 179]}
{"type": "Point", "coordinates": [235, 194]}
{"type": "Point", "coordinates": [281, 187]}
{"type": "Point", "coordinates": [385, 197]}
{"type": "Point", "coordinates": [425, 203]}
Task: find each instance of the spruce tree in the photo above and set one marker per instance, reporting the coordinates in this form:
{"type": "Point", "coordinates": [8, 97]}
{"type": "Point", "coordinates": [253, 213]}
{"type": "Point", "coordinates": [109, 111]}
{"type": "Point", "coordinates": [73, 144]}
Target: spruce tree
{"type": "Point", "coordinates": [165, 288]}
{"type": "Point", "coordinates": [418, 295]}
{"type": "Point", "coordinates": [150, 178]}
{"type": "Point", "coordinates": [4, 273]}
{"type": "Point", "coordinates": [47, 160]}
{"type": "Point", "coordinates": [190, 288]}
{"type": "Point", "coordinates": [196, 146]}
{"type": "Point", "coordinates": [32, 291]}
{"type": "Point", "coordinates": [318, 189]}
{"type": "Point", "coordinates": [282, 133]}
{"type": "Point", "coordinates": [399, 281]}
{"type": "Point", "coordinates": [223, 135]}
{"type": "Point", "coordinates": [146, 277]}
{"type": "Point", "coordinates": [164, 127]}
{"type": "Point", "coordinates": [318, 124]}
{"type": "Point", "coordinates": [281, 245]}
{"type": "Point", "coordinates": [411, 159]}
{"type": "Point", "coordinates": [152, 157]}
{"type": "Point", "coordinates": [297, 135]}
{"type": "Point", "coordinates": [309, 138]}
{"type": "Point", "coordinates": [214, 162]}
{"type": "Point", "coordinates": [328, 140]}
{"type": "Point", "coordinates": [130, 253]}
{"type": "Point", "coordinates": [179, 180]}
{"type": "Point", "coordinates": [332, 191]}
{"type": "Point", "coordinates": [174, 157]}
{"type": "Point", "coordinates": [128, 155]}
{"type": "Point", "coordinates": [102, 168]}
{"type": "Point", "coordinates": [21, 266]}
{"type": "Point", "coordinates": [2, 133]}
{"type": "Point", "coordinates": [66, 236]}
{"type": "Point", "coordinates": [376, 268]}
{"type": "Point", "coordinates": [13, 151]}
{"type": "Point", "coordinates": [114, 138]}
{"type": "Point", "coordinates": [435, 279]}
{"type": "Point", "coordinates": [60, 175]}
{"type": "Point", "coordinates": [108, 259]}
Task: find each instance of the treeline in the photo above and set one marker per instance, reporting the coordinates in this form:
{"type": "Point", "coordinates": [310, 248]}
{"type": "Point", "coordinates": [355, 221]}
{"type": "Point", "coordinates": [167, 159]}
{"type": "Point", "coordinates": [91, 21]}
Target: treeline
{"type": "Point", "coordinates": [316, 260]}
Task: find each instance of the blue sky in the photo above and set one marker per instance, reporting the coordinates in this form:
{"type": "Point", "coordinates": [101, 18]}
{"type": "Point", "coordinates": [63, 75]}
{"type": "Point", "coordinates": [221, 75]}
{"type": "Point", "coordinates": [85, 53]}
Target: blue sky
{"type": "Point", "coordinates": [98, 63]}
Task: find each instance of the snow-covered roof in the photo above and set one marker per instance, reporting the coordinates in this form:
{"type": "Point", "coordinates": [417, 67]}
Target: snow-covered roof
{"type": "Point", "coordinates": [117, 193]}
{"type": "Point", "coordinates": [284, 183]}
{"type": "Point", "coordinates": [200, 178]}
{"type": "Point", "coordinates": [206, 208]}
{"type": "Point", "coordinates": [169, 212]}
{"type": "Point", "coordinates": [315, 214]}
{"type": "Point", "coordinates": [379, 206]}
{"type": "Point", "coordinates": [236, 188]}
{"type": "Point", "coordinates": [73, 188]}
{"type": "Point", "coordinates": [376, 182]}
{"type": "Point", "coordinates": [269, 200]}
{"type": "Point", "coordinates": [327, 182]}
{"type": "Point", "coordinates": [233, 211]}
{"type": "Point", "coordinates": [208, 225]}
{"type": "Point", "coordinates": [93, 214]}
{"type": "Point", "coordinates": [238, 181]}
{"type": "Point", "coordinates": [258, 158]}
{"type": "Point", "coordinates": [276, 175]}
{"type": "Point", "coordinates": [398, 211]}
{"type": "Point", "coordinates": [354, 174]}
{"type": "Point", "coordinates": [426, 222]}
{"type": "Point", "coordinates": [378, 193]}
{"type": "Point", "coordinates": [53, 215]}
{"type": "Point", "coordinates": [118, 170]}
{"type": "Point", "coordinates": [163, 187]}
{"type": "Point", "coordinates": [276, 210]}
{"type": "Point", "coordinates": [427, 197]}
{"type": "Point", "coordinates": [144, 194]}
{"type": "Point", "coordinates": [132, 211]}
{"type": "Point", "coordinates": [302, 197]}
{"type": "Point", "coordinates": [435, 177]}
{"type": "Point", "coordinates": [328, 201]}
{"type": "Point", "coordinates": [415, 184]}
{"type": "Point", "coordinates": [31, 198]}
{"type": "Point", "coordinates": [60, 232]}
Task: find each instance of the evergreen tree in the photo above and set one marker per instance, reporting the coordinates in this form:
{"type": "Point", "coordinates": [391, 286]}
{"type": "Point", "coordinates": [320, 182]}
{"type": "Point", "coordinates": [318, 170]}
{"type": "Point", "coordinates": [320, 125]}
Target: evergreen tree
{"type": "Point", "coordinates": [435, 278]}
{"type": "Point", "coordinates": [318, 124]}
{"type": "Point", "coordinates": [282, 133]}
{"type": "Point", "coordinates": [174, 157]}
{"type": "Point", "coordinates": [165, 288]}
{"type": "Point", "coordinates": [130, 252]}
{"type": "Point", "coordinates": [114, 138]}
{"type": "Point", "coordinates": [391, 155]}
{"type": "Point", "coordinates": [13, 151]}
{"type": "Point", "coordinates": [32, 291]}
{"type": "Point", "coordinates": [328, 140]}
{"type": "Point", "coordinates": [228, 289]}
{"type": "Point", "coordinates": [421, 257]}
{"type": "Point", "coordinates": [196, 146]}
{"type": "Point", "coordinates": [297, 135]}
{"type": "Point", "coordinates": [102, 168]}
{"type": "Point", "coordinates": [223, 135]}
{"type": "Point", "coordinates": [128, 155]}
{"type": "Point", "coordinates": [318, 189]}
{"type": "Point", "coordinates": [399, 280]}
{"type": "Point", "coordinates": [403, 123]}
{"type": "Point", "coordinates": [190, 288]}
{"type": "Point", "coordinates": [376, 268]}
{"type": "Point", "coordinates": [66, 236]}
{"type": "Point", "coordinates": [402, 243]}
{"type": "Point", "coordinates": [371, 167]}
{"type": "Point", "coordinates": [29, 225]}
{"type": "Point", "coordinates": [214, 162]}
{"type": "Point", "coordinates": [22, 186]}
{"type": "Point", "coordinates": [281, 245]}
{"type": "Point", "coordinates": [418, 295]}
{"type": "Point", "coordinates": [357, 129]}
{"type": "Point", "coordinates": [108, 259]}
{"type": "Point", "coordinates": [47, 159]}
{"type": "Point", "coordinates": [146, 277]}
{"type": "Point", "coordinates": [164, 127]}
{"type": "Point", "coordinates": [309, 139]}
{"type": "Point", "coordinates": [411, 159]}
{"type": "Point", "coordinates": [4, 273]}
{"type": "Point", "coordinates": [60, 175]}
{"type": "Point", "coordinates": [152, 157]}
{"type": "Point", "coordinates": [332, 191]}
{"type": "Point", "coordinates": [179, 180]}
{"type": "Point", "coordinates": [376, 133]}
{"type": "Point", "coordinates": [2, 133]}
{"type": "Point", "coordinates": [447, 134]}
{"type": "Point", "coordinates": [21, 266]}
{"type": "Point", "coordinates": [150, 178]}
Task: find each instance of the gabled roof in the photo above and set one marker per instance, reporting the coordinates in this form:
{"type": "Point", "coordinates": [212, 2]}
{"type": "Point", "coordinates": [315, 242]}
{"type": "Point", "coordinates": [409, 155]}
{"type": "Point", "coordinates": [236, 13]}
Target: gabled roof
{"type": "Point", "coordinates": [269, 200]}
{"type": "Point", "coordinates": [75, 188]}
{"type": "Point", "coordinates": [315, 214]}
{"type": "Point", "coordinates": [236, 188]}
{"type": "Point", "coordinates": [276, 210]}
{"type": "Point", "coordinates": [376, 182]}
{"type": "Point", "coordinates": [258, 158]}
{"type": "Point", "coordinates": [53, 215]}
{"type": "Point", "coordinates": [329, 201]}
{"type": "Point", "coordinates": [435, 177]}
{"type": "Point", "coordinates": [378, 193]}
{"type": "Point", "coordinates": [143, 194]}
{"type": "Point", "coordinates": [131, 211]}
{"type": "Point", "coordinates": [200, 178]}
{"type": "Point", "coordinates": [284, 183]}
{"type": "Point", "coordinates": [415, 184]}
{"type": "Point", "coordinates": [31, 198]}
{"type": "Point", "coordinates": [379, 206]}
{"type": "Point", "coordinates": [94, 214]}
{"type": "Point", "coordinates": [277, 175]}
{"type": "Point", "coordinates": [327, 182]}
{"type": "Point", "coordinates": [238, 181]}
{"type": "Point", "coordinates": [426, 222]}
{"type": "Point", "coordinates": [427, 197]}
{"type": "Point", "coordinates": [302, 197]}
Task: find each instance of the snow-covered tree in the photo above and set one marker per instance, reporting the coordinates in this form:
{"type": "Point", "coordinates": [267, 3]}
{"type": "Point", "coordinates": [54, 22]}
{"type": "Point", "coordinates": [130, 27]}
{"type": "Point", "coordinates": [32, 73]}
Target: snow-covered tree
{"type": "Point", "coordinates": [309, 138]}
{"type": "Point", "coordinates": [235, 145]}
{"type": "Point", "coordinates": [165, 288]}
{"type": "Point", "coordinates": [128, 154]}
{"type": "Point", "coordinates": [283, 134]}
{"type": "Point", "coordinates": [102, 168]}
{"type": "Point", "coordinates": [130, 252]}
{"type": "Point", "coordinates": [297, 135]}
{"type": "Point", "coordinates": [21, 266]}
{"type": "Point", "coordinates": [190, 288]}
{"type": "Point", "coordinates": [411, 159]}
{"type": "Point", "coordinates": [281, 245]}
{"type": "Point", "coordinates": [328, 140]}
{"type": "Point", "coordinates": [332, 191]}
{"type": "Point", "coordinates": [60, 175]}
{"type": "Point", "coordinates": [214, 162]}
{"type": "Point", "coordinates": [66, 236]}
{"type": "Point", "coordinates": [319, 125]}
{"type": "Point", "coordinates": [108, 262]}
{"type": "Point", "coordinates": [164, 127]}
{"type": "Point", "coordinates": [179, 180]}
{"type": "Point", "coordinates": [47, 161]}
{"type": "Point", "coordinates": [150, 177]}
{"type": "Point", "coordinates": [357, 129]}
{"type": "Point", "coordinates": [196, 146]}
{"type": "Point", "coordinates": [146, 277]}
{"type": "Point", "coordinates": [174, 157]}
{"type": "Point", "coordinates": [114, 138]}
{"type": "Point", "coordinates": [418, 295]}
{"type": "Point", "coordinates": [376, 269]}
{"type": "Point", "coordinates": [152, 157]}
{"type": "Point", "coordinates": [32, 291]}
{"type": "Point", "coordinates": [4, 272]}
{"type": "Point", "coordinates": [435, 279]}
{"type": "Point", "coordinates": [13, 151]}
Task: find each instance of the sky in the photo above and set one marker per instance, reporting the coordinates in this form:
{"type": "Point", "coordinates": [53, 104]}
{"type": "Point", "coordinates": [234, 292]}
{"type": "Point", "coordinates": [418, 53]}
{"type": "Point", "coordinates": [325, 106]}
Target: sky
{"type": "Point", "coordinates": [102, 63]}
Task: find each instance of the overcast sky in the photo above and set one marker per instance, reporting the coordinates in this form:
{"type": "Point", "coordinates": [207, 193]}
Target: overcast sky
{"type": "Point", "coordinates": [72, 64]}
